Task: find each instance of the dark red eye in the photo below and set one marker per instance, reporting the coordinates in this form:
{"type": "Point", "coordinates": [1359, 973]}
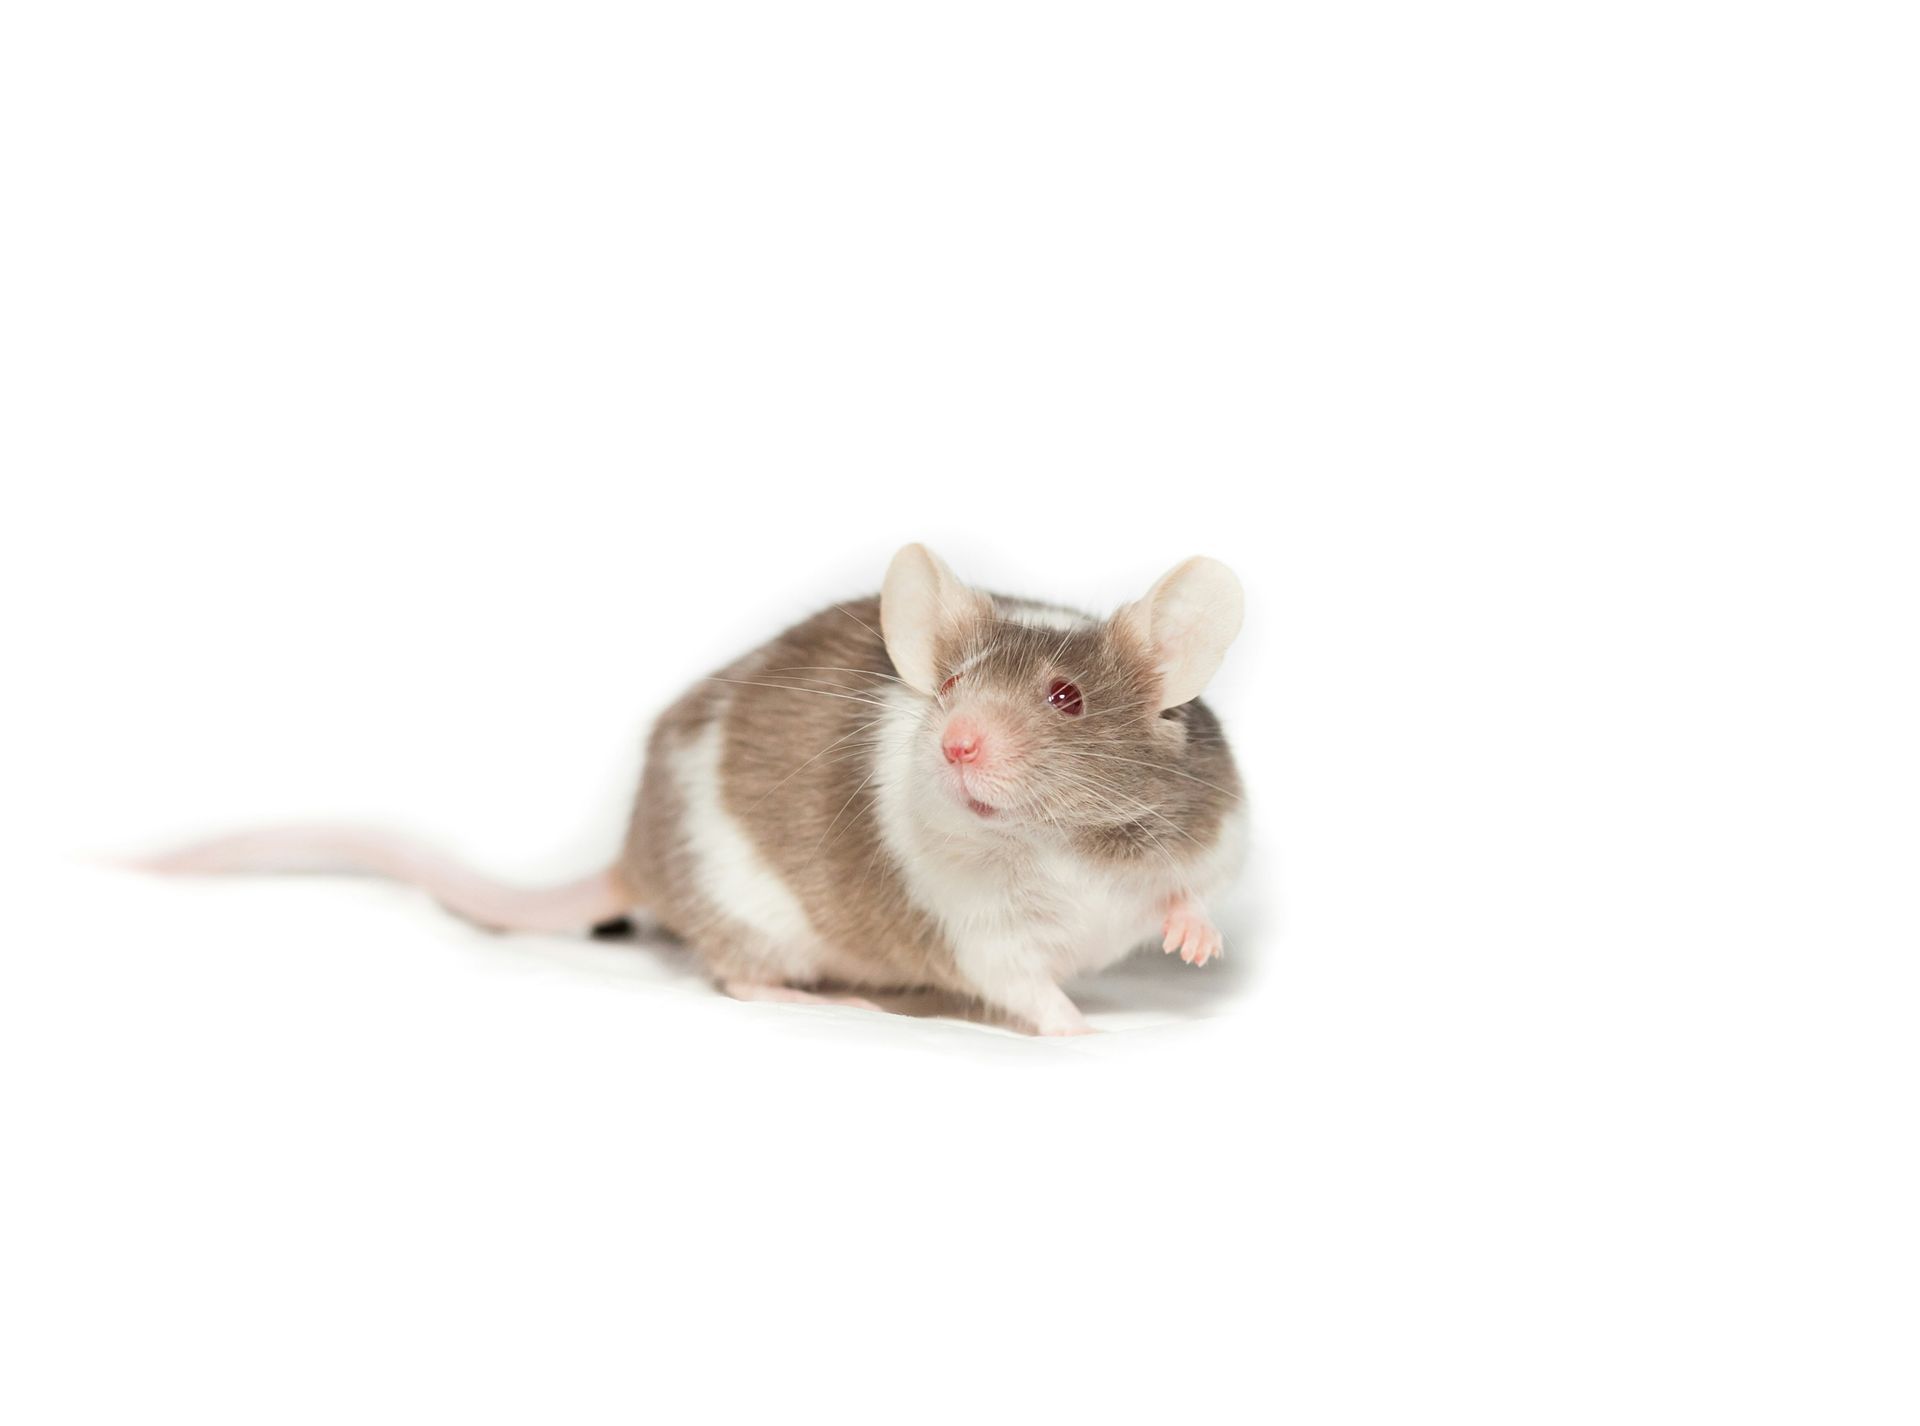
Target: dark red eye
{"type": "Point", "coordinates": [1066, 697]}
{"type": "Point", "coordinates": [947, 687]}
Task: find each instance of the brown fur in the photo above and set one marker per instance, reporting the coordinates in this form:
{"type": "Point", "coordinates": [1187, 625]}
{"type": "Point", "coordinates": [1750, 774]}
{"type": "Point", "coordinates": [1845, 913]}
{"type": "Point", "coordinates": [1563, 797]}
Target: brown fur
{"type": "Point", "coordinates": [1124, 783]}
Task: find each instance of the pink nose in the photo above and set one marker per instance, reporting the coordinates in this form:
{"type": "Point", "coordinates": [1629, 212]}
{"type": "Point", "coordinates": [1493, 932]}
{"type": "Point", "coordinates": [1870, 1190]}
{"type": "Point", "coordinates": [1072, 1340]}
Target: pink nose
{"type": "Point", "coordinates": [961, 743]}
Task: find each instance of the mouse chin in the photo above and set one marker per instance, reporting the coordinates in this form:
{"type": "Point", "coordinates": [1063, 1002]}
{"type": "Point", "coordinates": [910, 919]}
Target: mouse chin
{"type": "Point", "coordinates": [977, 806]}
{"type": "Point", "coordinates": [982, 808]}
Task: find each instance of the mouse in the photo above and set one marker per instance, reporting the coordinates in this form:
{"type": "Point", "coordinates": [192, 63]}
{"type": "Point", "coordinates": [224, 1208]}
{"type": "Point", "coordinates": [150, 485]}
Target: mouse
{"type": "Point", "coordinates": [932, 788]}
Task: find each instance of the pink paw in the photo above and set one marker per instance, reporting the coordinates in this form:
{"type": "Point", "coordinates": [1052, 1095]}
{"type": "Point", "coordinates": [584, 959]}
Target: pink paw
{"type": "Point", "coordinates": [1191, 933]}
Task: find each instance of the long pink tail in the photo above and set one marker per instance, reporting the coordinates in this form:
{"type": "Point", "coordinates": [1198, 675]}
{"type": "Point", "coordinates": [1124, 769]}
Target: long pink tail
{"type": "Point", "coordinates": [576, 906]}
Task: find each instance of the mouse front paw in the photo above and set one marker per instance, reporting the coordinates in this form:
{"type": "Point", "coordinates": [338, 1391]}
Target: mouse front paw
{"type": "Point", "coordinates": [1190, 932]}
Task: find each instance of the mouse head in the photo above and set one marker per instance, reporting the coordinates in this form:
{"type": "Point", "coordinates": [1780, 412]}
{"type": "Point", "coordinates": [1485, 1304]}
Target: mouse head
{"type": "Point", "coordinates": [1041, 715]}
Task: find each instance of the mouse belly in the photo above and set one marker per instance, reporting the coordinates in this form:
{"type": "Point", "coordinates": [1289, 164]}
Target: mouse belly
{"type": "Point", "coordinates": [1095, 921]}
{"type": "Point", "coordinates": [1045, 915]}
{"type": "Point", "coordinates": [1105, 939]}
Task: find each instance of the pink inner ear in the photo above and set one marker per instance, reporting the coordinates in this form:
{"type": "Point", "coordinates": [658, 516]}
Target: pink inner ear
{"type": "Point", "coordinates": [1188, 618]}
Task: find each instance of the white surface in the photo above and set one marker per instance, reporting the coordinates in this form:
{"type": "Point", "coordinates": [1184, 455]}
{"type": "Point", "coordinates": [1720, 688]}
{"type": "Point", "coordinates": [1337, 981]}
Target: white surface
{"type": "Point", "coordinates": [403, 402]}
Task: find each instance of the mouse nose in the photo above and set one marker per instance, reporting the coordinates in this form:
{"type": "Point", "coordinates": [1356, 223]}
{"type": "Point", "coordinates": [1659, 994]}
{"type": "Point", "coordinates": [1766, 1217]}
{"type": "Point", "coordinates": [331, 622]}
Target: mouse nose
{"type": "Point", "coordinates": [961, 742]}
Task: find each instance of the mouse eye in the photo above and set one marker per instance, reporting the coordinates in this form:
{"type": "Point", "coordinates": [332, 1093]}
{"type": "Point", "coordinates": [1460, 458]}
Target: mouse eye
{"type": "Point", "coordinates": [1066, 697]}
{"type": "Point", "coordinates": [947, 687]}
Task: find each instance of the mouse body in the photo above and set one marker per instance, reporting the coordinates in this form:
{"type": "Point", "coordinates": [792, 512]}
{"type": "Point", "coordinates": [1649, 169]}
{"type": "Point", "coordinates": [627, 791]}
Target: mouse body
{"type": "Point", "coordinates": [931, 788]}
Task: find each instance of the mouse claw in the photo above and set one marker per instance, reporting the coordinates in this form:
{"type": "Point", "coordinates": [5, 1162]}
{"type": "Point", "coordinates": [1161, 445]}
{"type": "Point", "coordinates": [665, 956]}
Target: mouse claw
{"type": "Point", "coordinates": [1190, 932]}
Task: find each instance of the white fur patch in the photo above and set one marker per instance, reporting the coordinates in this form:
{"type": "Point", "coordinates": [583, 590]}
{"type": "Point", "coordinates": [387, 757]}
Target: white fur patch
{"type": "Point", "coordinates": [1043, 616]}
{"type": "Point", "coordinates": [727, 868]}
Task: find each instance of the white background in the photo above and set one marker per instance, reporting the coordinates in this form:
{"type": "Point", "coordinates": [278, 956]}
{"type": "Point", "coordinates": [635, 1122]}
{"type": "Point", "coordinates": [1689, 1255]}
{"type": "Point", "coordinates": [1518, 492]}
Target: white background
{"type": "Point", "coordinates": [403, 402]}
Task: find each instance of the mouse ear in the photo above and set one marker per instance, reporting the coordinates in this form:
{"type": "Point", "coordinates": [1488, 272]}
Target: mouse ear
{"type": "Point", "coordinates": [1187, 619]}
{"type": "Point", "coordinates": [921, 601]}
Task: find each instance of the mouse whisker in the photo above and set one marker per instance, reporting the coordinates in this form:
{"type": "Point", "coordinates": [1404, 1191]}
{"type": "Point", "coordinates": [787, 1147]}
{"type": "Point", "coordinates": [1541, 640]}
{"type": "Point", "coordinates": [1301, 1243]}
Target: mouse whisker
{"type": "Point", "coordinates": [817, 847]}
{"type": "Point", "coordinates": [797, 688]}
{"type": "Point", "coordinates": [1157, 767]}
{"type": "Point", "coordinates": [836, 668]}
{"type": "Point", "coordinates": [1088, 781]}
{"type": "Point", "coordinates": [858, 620]}
{"type": "Point", "coordinates": [864, 727]}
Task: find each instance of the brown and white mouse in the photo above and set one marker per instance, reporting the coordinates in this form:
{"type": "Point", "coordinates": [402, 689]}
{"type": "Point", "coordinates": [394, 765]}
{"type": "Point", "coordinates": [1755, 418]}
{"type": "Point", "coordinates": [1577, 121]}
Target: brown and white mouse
{"type": "Point", "coordinates": [936, 788]}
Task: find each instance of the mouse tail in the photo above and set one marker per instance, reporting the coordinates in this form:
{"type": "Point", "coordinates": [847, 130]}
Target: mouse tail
{"type": "Point", "coordinates": [582, 905]}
